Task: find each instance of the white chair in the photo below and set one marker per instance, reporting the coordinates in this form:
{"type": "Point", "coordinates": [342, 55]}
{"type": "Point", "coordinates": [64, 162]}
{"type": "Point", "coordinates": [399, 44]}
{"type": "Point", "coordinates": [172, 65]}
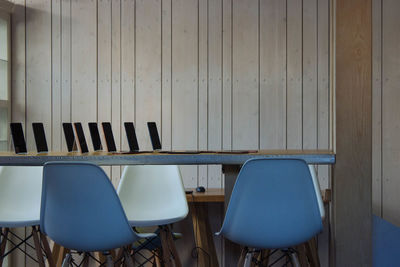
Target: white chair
{"type": "Point", "coordinates": [154, 196]}
{"type": "Point", "coordinates": [20, 199]}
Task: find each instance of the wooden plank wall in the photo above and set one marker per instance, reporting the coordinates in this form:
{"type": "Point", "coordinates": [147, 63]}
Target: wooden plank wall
{"type": "Point", "coordinates": [385, 115]}
{"type": "Point", "coordinates": [213, 74]}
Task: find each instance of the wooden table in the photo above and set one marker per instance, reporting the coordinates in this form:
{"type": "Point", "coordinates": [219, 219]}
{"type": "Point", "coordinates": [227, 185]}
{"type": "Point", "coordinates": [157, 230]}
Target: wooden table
{"type": "Point", "coordinates": [230, 161]}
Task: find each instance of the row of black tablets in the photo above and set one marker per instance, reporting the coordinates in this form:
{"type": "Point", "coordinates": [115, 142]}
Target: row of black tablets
{"type": "Point", "coordinates": [41, 143]}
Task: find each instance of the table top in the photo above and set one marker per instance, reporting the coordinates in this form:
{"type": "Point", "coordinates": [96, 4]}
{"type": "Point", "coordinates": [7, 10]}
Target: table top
{"type": "Point", "coordinates": [218, 195]}
{"type": "Point", "coordinates": [166, 158]}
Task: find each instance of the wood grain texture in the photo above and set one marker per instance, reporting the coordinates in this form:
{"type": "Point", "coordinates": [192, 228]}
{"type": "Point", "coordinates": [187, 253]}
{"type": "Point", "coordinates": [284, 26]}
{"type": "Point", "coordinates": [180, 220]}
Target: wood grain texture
{"type": "Point", "coordinates": [377, 107]}
{"type": "Point", "coordinates": [219, 74]}
{"type": "Point", "coordinates": [353, 172]}
{"type": "Point", "coordinates": [245, 62]}
{"type": "Point", "coordinates": [294, 101]}
{"type": "Point", "coordinates": [185, 81]}
{"type": "Point", "coordinates": [273, 74]}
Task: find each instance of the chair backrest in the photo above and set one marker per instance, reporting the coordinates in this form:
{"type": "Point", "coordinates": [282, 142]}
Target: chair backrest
{"type": "Point", "coordinates": [273, 205]}
{"type": "Point", "coordinates": [20, 195]}
{"type": "Point", "coordinates": [80, 208]}
{"type": "Point", "coordinates": [152, 194]}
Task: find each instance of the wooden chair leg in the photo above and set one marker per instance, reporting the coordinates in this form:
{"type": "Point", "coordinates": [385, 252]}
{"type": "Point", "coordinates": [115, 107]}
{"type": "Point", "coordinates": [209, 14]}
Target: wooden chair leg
{"type": "Point", "coordinates": [101, 257]}
{"type": "Point", "coordinates": [301, 252]}
{"type": "Point", "coordinates": [86, 259]}
{"type": "Point", "coordinates": [172, 248]}
{"type": "Point", "coordinates": [119, 257]}
{"type": "Point", "coordinates": [312, 252]}
{"type": "Point", "coordinates": [38, 247]}
{"type": "Point", "coordinates": [166, 254]}
{"type": "Point", "coordinates": [3, 245]}
{"type": "Point", "coordinates": [157, 255]}
{"type": "Point", "coordinates": [128, 258]}
{"type": "Point", "coordinates": [47, 250]}
{"type": "Point", "coordinates": [242, 257]}
{"type": "Point", "coordinates": [60, 252]}
{"type": "Point", "coordinates": [264, 257]}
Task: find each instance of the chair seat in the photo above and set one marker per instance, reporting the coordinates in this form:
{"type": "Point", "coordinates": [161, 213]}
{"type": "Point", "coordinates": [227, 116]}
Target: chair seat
{"type": "Point", "coordinates": [18, 218]}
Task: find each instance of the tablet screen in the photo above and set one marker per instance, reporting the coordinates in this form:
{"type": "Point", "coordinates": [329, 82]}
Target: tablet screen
{"type": "Point", "coordinates": [18, 137]}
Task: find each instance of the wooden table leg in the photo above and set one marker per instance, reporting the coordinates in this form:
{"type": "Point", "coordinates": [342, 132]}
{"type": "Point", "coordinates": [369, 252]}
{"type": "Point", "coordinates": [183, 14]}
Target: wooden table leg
{"type": "Point", "coordinates": [203, 235]}
{"type": "Point", "coordinates": [232, 250]}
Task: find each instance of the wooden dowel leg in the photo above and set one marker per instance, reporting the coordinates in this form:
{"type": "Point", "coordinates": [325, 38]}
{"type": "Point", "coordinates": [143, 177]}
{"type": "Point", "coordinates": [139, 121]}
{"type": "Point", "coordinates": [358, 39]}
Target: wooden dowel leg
{"type": "Point", "coordinates": [86, 260]}
{"type": "Point", "coordinates": [172, 247]}
{"type": "Point", "coordinates": [301, 252]}
{"type": "Point", "coordinates": [38, 247]}
{"type": "Point", "coordinates": [165, 249]}
{"type": "Point", "coordinates": [242, 257]}
{"type": "Point", "coordinates": [46, 246]}
{"type": "Point", "coordinates": [312, 252]}
{"type": "Point", "coordinates": [3, 245]}
{"type": "Point", "coordinates": [118, 260]}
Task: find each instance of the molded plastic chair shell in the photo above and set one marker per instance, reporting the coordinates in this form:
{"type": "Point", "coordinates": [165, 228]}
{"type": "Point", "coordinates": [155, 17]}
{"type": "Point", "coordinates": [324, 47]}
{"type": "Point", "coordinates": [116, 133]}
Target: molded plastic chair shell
{"type": "Point", "coordinates": [273, 205]}
{"type": "Point", "coordinates": [152, 194]}
{"type": "Point", "coordinates": [20, 195]}
{"type": "Point", "coordinates": [81, 210]}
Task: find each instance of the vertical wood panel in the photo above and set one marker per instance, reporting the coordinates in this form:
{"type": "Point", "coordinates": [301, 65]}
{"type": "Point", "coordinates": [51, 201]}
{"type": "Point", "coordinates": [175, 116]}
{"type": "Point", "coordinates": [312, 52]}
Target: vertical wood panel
{"type": "Point", "coordinates": [352, 171]}
{"type": "Point", "coordinates": [66, 47]}
{"type": "Point", "coordinates": [185, 81]}
{"type": "Point", "coordinates": [227, 73]}
{"type": "Point", "coordinates": [116, 82]}
{"type": "Point", "coordinates": [294, 74]}
{"type": "Point", "coordinates": [310, 78]}
{"type": "Point", "coordinates": [18, 92]}
{"type": "Point", "coordinates": [214, 96]}
{"type": "Point", "coordinates": [148, 68]}
{"type": "Point", "coordinates": [18, 96]}
{"type": "Point", "coordinates": [38, 68]}
{"type": "Point", "coordinates": [390, 110]}
{"type": "Point", "coordinates": [166, 131]}
{"type": "Point", "coordinates": [56, 124]}
{"type": "Point", "coordinates": [84, 63]}
{"type": "Point", "coordinates": [127, 66]}
{"type": "Point", "coordinates": [245, 75]}
{"type": "Point", "coordinates": [323, 116]}
{"type": "Point", "coordinates": [273, 74]}
{"type": "Point", "coordinates": [377, 107]}
{"type": "Point", "coordinates": [323, 87]}
{"type": "Point", "coordinates": [104, 69]}
{"type": "Point", "coordinates": [203, 56]}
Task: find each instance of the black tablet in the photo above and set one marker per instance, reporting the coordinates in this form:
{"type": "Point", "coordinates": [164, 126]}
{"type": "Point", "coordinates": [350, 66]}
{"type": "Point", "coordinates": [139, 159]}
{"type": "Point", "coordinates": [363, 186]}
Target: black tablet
{"type": "Point", "coordinates": [40, 137]}
{"type": "Point", "coordinates": [131, 136]}
{"type": "Point", "coordinates": [94, 133]}
{"type": "Point", "coordinates": [155, 138]}
{"type": "Point", "coordinates": [69, 136]}
{"type": "Point", "coordinates": [108, 134]}
{"type": "Point", "coordinates": [18, 138]}
{"type": "Point", "coordinates": [81, 137]}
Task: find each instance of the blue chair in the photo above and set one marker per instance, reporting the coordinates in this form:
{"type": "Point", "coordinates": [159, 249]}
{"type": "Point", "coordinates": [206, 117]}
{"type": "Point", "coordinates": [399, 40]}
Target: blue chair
{"type": "Point", "coordinates": [273, 206]}
{"type": "Point", "coordinates": [81, 210]}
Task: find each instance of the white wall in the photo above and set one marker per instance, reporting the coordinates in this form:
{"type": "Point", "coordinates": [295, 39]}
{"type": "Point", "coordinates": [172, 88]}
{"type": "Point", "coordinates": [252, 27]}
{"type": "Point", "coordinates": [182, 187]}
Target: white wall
{"type": "Point", "coordinates": [213, 74]}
